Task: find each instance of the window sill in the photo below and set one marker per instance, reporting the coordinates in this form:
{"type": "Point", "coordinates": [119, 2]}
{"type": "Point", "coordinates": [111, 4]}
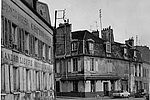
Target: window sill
{"type": "Point", "coordinates": [16, 93]}
{"type": "Point", "coordinates": [28, 92]}
{"type": "Point", "coordinates": [37, 91]}
{"type": "Point", "coordinates": [3, 94]}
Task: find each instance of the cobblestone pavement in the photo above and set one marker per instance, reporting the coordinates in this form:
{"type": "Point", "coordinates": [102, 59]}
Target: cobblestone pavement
{"type": "Point", "coordinates": [104, 98]}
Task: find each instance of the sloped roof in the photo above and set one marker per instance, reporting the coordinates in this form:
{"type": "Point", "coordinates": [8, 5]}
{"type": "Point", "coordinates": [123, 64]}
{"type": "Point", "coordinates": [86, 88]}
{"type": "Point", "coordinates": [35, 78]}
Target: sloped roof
{"type": "Point", "coordinates": [78, 34]}
{"type": "Point", "coordinates": [84, 35]}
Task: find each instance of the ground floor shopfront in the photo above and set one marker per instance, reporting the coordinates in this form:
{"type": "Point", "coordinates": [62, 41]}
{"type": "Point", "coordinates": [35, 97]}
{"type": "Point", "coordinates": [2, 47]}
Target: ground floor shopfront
{"type": "Point", "coordinates": [25, 78]}
{"type": "Point", "coordinates": [90, 87]}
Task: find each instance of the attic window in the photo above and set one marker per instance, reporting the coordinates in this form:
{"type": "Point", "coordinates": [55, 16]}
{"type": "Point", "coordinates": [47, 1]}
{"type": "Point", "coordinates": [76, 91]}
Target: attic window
{"type": "Point", "coordinates": [74, 46]}
{"type": "Point", "coordinates": [41, 12]}
{"type": "Point", "coordinates": [91, 46]}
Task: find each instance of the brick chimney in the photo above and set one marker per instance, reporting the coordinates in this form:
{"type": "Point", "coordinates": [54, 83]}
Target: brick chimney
{"type": "Point", "coordinates": [107, 34]}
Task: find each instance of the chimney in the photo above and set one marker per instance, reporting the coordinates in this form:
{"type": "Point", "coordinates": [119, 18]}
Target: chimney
{"type": "Point", "coordinates": [107, 34]}
{"type": "Point", "coordinates": [96, 33]}
{"type": "Point", "coordinates": [130, 42]}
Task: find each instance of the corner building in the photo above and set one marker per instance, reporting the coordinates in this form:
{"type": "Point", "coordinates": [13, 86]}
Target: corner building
{"type": "Point", "coordinates": [26, 51]}
{"type": "Point", "coordinates": [87, 66]}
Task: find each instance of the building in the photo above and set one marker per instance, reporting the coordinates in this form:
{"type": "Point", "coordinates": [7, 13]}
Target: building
{"type": "Point", "coordinates": [145, 51]}
{"type": "Point", "coordinates": [87, 65]}
{"type": "Point", "coordinates": [26, 51]}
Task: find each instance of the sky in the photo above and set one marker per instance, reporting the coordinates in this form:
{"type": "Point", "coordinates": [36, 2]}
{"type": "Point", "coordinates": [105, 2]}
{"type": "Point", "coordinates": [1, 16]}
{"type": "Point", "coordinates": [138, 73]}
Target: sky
{"type": "Point", "coordinates": [127, 18]}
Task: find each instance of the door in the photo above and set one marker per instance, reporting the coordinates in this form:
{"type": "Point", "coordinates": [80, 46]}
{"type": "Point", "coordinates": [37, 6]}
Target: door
{"type": "Point", "coordinates": [106, 92]}
{"type": "Point", "coordinates": [57, 86]}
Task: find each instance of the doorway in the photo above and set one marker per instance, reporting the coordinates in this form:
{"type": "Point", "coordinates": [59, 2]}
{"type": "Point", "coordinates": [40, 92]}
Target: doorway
{"type": "Point", "coordinates": [106, 91]}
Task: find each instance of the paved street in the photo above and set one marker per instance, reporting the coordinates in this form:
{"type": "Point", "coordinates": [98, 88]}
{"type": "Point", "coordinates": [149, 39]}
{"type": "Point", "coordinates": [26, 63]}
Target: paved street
{"type": "Point", "coordinates": [105, 98]}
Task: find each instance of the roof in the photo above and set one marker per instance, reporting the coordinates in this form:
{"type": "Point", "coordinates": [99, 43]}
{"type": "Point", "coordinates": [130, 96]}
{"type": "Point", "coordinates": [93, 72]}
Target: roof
{"type": "Point", "coordinates": [78, 34]}
{"type": "Point", "coordinates": [84, 35]}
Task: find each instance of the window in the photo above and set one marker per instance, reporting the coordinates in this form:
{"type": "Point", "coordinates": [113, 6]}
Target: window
{"type": "Point", "coordinates": [2, 29]}
{"type": "Point", "coordinates": [26, 42]}
{"type": "Point", "coordinates": [58, 67]}
{"type": "Point", "coordinates": [74, 46]}
{"type": "Point", "coordinates": [28, 79]}
{"type": "Point", "coordinates": [45, 80]}
{"type": "Point", "coordinates": [135, 70]}
{"type": "Point", "coordinates": [37, 80]}
{"type": "Point", "coordinates": [21, 39]}
{"type": "Point", "coordinates": [108, 47]}
{"type": "Point", "coordinates": [75, 86]}
{"type": "Point", "coordinates": [10, 33]}
{"type": "Point", "coordinates": [91, 46]}
{"type": "Point", "coordinates": [31, 44]}
{"type": "Point", "coordinates": [2, 78]}
{"type": "Point", "coordinates": [43, 50]}
{"type": "Point", "coordinates": [50, 81]}
{"type": "Point", "coordinates": [40, 51]}
{"type": "Point", "coordinates": [50, 53]}
{"type": "Point", "coordinates": [92, 86]}
{"type": "Point", "coordinates": [47, 52]}
{"type": "Point", "coordinates": [139, 69]}
{"type": "Point", "coordinates": [16, 78]}
{"type": "Point", "coordinates": [92, 64]}
{"type": "Point", "coordinates": [36, 47]}
{"type": "Point", "coordinates": [14, 34]}
{"type": "Point", "coordinates": [75, 64]}
{"type": "Point", "coordinates": [6, 34]}
{"type": "Point", "coordinates": [135, 54]}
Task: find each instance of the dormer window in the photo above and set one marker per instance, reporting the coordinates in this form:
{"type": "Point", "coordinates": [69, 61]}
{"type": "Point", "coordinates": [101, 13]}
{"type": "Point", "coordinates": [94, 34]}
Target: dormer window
{"type": "Point", "coordinates": [135, 54]}
{"type": "Point", "coordinates": [74, 46]}
{"type": "Point", "coordinates": [108, 47]}
{"type": "Point", "coordinates": [91, 46]}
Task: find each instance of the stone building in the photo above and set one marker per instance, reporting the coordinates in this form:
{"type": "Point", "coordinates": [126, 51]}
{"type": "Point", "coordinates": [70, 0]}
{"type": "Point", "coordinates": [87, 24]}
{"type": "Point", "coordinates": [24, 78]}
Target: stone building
{"type": "Point", "coordinates": [87, 65]}
{"type": "Point", "coordinates": [26, 51]}
{"type": "Point", "coordinates": [145, 51]}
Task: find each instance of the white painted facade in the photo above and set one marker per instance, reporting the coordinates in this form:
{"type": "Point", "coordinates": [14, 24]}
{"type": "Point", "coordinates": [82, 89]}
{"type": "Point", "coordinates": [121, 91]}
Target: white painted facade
{"type": "Point", "coordinates": [25, 77]}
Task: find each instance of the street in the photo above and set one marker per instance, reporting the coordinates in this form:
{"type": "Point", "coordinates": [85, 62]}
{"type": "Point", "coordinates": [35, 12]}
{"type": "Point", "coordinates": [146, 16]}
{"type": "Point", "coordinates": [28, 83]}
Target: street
{"type": "Point", "coordinates": [105, 98]}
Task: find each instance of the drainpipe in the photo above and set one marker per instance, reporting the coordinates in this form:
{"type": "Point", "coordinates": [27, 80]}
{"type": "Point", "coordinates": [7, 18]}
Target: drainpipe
{"type": "Point", "coordinates": [54, 55]}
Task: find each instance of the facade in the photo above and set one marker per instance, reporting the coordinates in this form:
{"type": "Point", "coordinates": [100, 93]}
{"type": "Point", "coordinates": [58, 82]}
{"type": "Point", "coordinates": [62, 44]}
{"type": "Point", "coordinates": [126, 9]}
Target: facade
{"type": "Point", "coordinates": [145, 51]}
{"type": "Point", "coordinates": [87, 65]}
{"type": "Point", "coordinates": [26, 51]}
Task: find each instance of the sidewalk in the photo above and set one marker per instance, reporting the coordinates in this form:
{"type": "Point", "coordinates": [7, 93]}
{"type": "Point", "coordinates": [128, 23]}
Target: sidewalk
{"type": "Point", "coordinates": [94, 98]}
{"type": "Point", "coordinates": [80, 98]}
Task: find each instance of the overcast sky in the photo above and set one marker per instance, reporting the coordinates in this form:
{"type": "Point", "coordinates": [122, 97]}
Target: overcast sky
{"type": "Point", "coordinates": [128, 18]}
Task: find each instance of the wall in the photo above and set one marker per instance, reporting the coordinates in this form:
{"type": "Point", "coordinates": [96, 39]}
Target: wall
{"type": "Point", "coordinates": [25, 76]}
{"type": "Point", "coordinates": [106, 66]}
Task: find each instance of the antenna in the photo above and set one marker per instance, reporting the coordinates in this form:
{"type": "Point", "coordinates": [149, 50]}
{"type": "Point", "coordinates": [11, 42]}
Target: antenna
{"type": "Point", "coordinates": [100, 17]}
